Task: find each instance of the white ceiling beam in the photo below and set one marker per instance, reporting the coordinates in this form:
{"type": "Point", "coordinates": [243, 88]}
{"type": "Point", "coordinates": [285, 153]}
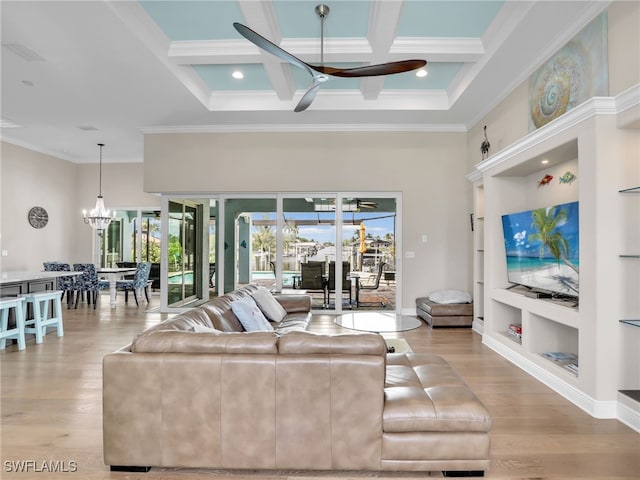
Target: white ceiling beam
{"type": "Point", "coordinates": [261, 17]}
{"type": "Point", "coordinates": [336, 50]}
{"type": "Point", "coordinates": [333, 100]}
{"type": "Point", "coordinates": [383, 25]}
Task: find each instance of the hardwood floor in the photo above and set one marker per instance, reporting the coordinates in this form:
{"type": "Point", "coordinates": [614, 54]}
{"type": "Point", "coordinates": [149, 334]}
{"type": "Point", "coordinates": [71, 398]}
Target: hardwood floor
{"type": "Point", "coordinates": [52, 408]}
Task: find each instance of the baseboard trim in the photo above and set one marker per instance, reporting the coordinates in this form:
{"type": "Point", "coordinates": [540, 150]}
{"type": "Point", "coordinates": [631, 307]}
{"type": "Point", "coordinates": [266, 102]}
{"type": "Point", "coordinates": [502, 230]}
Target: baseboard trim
{"type": "Point", "coordinates": [629, 412]}
{"type": "Point", "coordinates": [595, 408]}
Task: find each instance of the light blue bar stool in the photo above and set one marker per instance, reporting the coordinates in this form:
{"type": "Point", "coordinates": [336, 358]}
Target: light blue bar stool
{"type": "Point", "coordinates": [17, 332]}
{"type": "Point", "coordinates": [41, 320]}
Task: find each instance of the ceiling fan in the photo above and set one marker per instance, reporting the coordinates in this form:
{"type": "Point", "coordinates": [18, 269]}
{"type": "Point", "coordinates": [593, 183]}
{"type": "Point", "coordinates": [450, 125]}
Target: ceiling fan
{"type": "Point", "coordinates": [322, 73]}
{"type": "Point", "coordinates": [365, 204]}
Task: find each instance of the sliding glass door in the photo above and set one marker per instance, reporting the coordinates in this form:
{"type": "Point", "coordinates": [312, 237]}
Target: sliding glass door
{"type": "Point", "coordinates": [184, 249]}
{"type": "Point", "coordinates": [338, 248]}
{"type": "Point", "coordinates": [369, 226]}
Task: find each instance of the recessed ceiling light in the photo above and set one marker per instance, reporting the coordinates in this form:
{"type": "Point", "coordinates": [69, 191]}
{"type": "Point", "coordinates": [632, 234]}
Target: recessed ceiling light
{"type": "Point", "coordinates": [544, 162]}
{"type": "Point", "coordinates": [238, 75]}
{"type": "Point", "coordinates": [421, 73]}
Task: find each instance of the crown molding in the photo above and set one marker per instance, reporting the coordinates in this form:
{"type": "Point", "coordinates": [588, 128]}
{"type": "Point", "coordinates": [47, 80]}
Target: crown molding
{"type": "Point", "coordinates": [589, 109]}
{"type": "Point", "coordinates": [300, 128]}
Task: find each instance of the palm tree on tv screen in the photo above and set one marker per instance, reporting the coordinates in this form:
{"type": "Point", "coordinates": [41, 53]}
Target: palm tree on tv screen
{"type": "Point", "coordinates": [546, 221]}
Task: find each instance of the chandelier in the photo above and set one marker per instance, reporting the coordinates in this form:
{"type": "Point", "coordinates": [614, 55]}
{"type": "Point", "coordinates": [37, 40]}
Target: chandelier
{"type": "Point", "coordinates": [99, 218]}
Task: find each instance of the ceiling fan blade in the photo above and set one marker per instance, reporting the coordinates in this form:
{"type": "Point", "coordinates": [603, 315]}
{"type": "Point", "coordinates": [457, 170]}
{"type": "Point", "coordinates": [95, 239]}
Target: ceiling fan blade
{"type": "Point", "coordinates": [270, 47]}
{"type": "Point", "coordinates": [307, 98]}
{"type": "Point", "coordinates": [366, 204]}
{"type": "Point", "coordinates": [374, 70]}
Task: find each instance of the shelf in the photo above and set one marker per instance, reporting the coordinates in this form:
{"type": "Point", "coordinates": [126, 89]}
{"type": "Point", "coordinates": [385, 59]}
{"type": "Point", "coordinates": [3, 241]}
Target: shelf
{"type": "Point", "coordinates": [633, 394]}
{"type": "Point", "coordinates": [568, 365]}
{"type": "Point", "coordinates": [513, 338]}
{"type": "Point", "coordinates": [630, 190]}
{"type": "Point", "coordinates": [633, 323]}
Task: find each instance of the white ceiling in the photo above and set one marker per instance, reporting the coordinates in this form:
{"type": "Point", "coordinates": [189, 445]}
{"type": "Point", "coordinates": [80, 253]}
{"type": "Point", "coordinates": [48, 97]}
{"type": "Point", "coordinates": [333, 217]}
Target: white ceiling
{"type": "Point", "coordinates": [79, 73]}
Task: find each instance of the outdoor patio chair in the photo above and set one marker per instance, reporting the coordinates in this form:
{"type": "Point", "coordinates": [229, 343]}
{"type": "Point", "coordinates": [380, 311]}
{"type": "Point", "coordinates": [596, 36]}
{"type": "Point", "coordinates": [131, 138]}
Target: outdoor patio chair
{"type": "Point", "coordinates": [374, 286]}
{"type": "Point", "coordinates": [312, 278]}
{"type": "Point", "coordinates": [212, 273]}
{"type": "Point", "coordinates": [140, 281]}
{"type": "Point", "coordinates": [88, 282]}
{"type": "Point", "coordinates": [346, 280]}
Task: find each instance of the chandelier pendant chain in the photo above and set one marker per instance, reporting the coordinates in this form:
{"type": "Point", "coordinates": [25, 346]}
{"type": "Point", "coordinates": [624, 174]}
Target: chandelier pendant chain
{"type": "Point", "coordinates": [100, 171]}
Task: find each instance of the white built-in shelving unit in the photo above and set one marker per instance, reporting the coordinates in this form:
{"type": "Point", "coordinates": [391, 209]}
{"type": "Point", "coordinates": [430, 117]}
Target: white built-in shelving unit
{"type": "Point", "coordinates": [478, 252]}
{"type": "Point", "coordinates": [589, 142]}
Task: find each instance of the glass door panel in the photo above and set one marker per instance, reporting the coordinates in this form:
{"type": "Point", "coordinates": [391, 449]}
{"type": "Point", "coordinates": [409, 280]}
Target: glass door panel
{"type": "Point", "coordinates": [250, 242]}
{"type": "Point", "coordinates": [369, 245]}
{"type": "Point", "coordinates": [184, 252]}
{"type": "Point", "coordinates": [213, 215]}
{"type": "Point", "coordinates": [149, 241]}
{"type": "Point", "coordinates": [309, 245]}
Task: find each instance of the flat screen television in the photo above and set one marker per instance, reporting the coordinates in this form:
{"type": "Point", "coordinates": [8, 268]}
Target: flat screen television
{"type": "Point", "coordinates": [542, 249]}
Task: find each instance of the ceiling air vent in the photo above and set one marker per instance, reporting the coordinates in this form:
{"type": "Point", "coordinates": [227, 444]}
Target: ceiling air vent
{"type": "Point", "coordinates": [87, 128]}
{"type": "Point", "coordinates": [23, 52]}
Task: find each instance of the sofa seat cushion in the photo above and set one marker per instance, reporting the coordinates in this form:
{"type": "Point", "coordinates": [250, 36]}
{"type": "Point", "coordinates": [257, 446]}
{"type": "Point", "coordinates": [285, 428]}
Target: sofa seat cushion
{"type": "Point", "coordinates": [293, 322]}
{"type": "Point", "coordinates": [338, 344]}
{"type": "Point", "coordinates": [424, 394]}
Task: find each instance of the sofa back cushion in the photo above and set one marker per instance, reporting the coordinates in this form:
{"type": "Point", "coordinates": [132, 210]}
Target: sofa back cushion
{"type": "Point", "coordinates": [176, 341]}
{"type": "Point", "coordinates": [341, 344]}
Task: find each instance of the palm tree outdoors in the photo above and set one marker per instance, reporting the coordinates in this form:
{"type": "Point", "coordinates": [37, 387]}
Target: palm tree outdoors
{"type": "Point", "coordinates": [545, 221]}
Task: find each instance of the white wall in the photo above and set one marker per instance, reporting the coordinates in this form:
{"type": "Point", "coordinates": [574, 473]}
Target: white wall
{"type": "Point", "coordinates": [508, 121]}
{"type": "Point", "coordinates": [429, 170]}
{"type": "Point", "coordinates": [29, 179]}
{"type": "Point", "coordinates": [64, 189]}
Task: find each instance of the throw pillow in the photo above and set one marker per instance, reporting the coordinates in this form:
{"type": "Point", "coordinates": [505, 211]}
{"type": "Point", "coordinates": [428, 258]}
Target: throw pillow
{"type": "Point", "coordinates": [249, 315]}
{"type": "Point", "coordinates": [204, 329]}
{"type": "Point", "coordinates": [269, 305]}
{"type": "Point", "coordinates": [450, 296]}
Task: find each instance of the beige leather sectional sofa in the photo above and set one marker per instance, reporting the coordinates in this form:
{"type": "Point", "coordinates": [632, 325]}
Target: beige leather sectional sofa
{"type": "Point", "coordinates": [288, 400]}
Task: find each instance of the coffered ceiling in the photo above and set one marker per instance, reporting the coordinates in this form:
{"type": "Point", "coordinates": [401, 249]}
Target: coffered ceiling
{"type": "Point", "coordinates": [78, 73]}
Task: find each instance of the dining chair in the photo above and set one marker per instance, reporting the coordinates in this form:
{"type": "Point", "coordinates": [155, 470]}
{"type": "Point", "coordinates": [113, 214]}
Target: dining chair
{"type": "Point", "coordinates": [66, 284]}
{"type": "Point", "coordinates": [88, 282]}
{"type": "Point", "coordinates": [139, 282]}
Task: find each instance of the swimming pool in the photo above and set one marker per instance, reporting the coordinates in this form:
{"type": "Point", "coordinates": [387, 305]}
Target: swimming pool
{"type": "Point", "coordinates": [287, 277]}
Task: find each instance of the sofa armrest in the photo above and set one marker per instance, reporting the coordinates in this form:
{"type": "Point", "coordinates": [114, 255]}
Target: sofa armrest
{"type": "Point", "coordinates": [294, 303]}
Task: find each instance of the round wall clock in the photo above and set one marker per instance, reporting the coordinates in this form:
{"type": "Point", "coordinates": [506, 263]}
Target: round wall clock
{"type": "Point", "coordinates": [38, 217]}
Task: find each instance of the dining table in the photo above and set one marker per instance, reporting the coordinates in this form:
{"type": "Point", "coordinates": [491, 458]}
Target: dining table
{"type": "Point", "coordinates": [113, 274]}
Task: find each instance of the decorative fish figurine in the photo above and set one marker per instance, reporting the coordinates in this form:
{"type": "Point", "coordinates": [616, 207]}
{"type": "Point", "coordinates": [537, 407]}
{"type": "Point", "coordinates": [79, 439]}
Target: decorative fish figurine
{"type": "Point", "coordinates": [567, 177]}
{"type": "Point", "coordinates": [546, 180]}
